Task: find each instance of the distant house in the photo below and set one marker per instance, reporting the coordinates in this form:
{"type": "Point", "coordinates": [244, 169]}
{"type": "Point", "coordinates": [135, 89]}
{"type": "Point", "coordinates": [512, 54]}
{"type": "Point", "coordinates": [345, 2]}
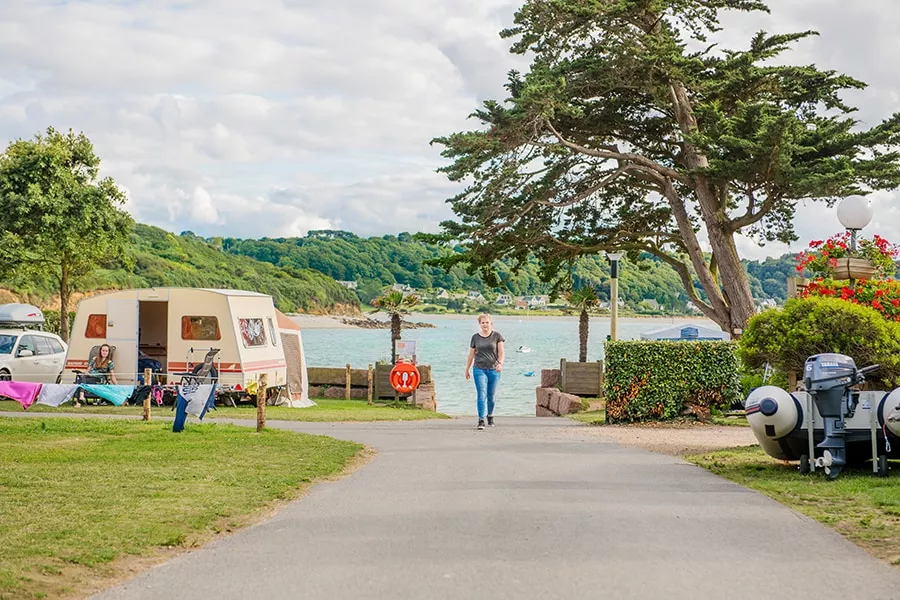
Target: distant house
{"type": "Point", "coordinates": [520, 304]}
{"type": "Point", "coordinates": [350, 285]}
{"type": "Point", "coordinates": [403, 288]}
{"type": "Point", "coordinates": [441, 294]}
{"type": "Point", "coordinates": [475, 296]}
{"type": "Point", "coordinates": [766, 303]}
{"type": "Point", "coordinates": [692, 308]}
{"type": "Point", "coordinates": [504, 300]}
{"type": "Point", "coordinates": [536, 301]}
{"type": "Point", "coordinates": [650, 303]}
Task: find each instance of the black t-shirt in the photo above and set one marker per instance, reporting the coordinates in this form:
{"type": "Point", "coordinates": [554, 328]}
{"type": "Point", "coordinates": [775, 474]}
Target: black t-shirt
{"type": "Point", "coordinates": [486, 349]}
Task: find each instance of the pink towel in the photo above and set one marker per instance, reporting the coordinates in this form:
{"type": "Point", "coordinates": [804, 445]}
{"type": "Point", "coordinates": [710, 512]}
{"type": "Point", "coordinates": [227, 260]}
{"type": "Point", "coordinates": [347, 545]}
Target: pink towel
{"type": "Point", "coordinates": [23, 392]}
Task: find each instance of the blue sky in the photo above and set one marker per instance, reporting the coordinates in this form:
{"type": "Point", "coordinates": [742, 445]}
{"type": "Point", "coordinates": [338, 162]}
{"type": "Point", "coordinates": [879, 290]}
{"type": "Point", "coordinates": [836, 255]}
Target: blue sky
{"type": "Point", "coordinates": [219, 115]}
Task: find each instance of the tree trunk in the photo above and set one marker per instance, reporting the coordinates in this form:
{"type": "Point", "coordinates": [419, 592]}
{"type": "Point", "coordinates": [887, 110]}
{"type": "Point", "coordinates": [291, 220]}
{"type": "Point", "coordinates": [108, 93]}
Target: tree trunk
{"type": "Point", "coordinates": [734, 288]}
{"type": "Point", "coordinates": [64, 304]}
{"type": "Point", "coordinates": [395, 335]}
{"type": "Point", "coordinates": [583, 324]}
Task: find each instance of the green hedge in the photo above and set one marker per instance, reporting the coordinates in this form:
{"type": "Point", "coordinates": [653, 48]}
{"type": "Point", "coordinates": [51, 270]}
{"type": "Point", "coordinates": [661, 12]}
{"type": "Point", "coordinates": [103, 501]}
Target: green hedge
{"type": "Point", "coordinates": [650, 380]}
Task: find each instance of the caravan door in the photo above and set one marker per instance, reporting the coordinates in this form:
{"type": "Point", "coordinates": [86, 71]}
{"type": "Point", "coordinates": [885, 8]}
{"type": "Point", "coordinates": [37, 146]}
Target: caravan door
{"type": "Point", "coordinates": [122, 332]}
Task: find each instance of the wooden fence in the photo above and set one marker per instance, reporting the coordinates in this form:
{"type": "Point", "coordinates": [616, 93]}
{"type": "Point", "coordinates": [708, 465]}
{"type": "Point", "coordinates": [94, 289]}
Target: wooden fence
{"type": "Point", "coordinates": [581, 378]}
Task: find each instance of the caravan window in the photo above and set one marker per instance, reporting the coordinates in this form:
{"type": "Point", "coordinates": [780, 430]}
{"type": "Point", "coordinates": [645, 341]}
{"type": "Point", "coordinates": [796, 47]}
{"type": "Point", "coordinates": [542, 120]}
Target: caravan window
{"type": "Point", "coordinates": [200, 328]}
{"type": "Point", "coordinates": [96, 327]}
{"type": "Point", "coordinates": [252, 332]}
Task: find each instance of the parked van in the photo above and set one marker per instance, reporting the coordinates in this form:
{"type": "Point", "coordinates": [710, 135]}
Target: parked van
{"type": "Point", "coordinates": [178, 327]}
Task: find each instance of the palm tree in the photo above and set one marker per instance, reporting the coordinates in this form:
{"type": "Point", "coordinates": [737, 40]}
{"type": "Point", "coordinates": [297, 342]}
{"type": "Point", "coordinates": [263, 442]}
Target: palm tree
{"type": "Point", "coordinates": [395, 304]}
{"type": "Point", "coordinates": [584, 300]}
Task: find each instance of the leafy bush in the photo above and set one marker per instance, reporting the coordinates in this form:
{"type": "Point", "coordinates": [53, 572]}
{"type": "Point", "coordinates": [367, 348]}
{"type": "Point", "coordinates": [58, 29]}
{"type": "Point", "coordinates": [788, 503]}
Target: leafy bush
{"type": "Point", "coordinates": [786, 337]}
{"type": "Point", "coordinates": [663, 380]}
{"type": "Point", "coordinates": [51, 320]}
{"type": "Point", "coordinates": [881, 294]}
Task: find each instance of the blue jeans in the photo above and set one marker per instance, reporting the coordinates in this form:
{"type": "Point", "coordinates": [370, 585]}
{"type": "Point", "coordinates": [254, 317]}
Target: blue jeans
{"type": "Point", "coordinates": [486, 381]}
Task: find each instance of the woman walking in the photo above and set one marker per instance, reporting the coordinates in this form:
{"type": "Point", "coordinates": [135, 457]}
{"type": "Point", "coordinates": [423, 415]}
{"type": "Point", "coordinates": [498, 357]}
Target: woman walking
{"type": "Point", "coordinates": [486, 352]}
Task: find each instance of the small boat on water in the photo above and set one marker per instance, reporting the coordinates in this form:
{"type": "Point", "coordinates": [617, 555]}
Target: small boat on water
{"type": "Point", "coordinates": [528, 373]}
{"type": "Point", "coordinates": [523, 349]}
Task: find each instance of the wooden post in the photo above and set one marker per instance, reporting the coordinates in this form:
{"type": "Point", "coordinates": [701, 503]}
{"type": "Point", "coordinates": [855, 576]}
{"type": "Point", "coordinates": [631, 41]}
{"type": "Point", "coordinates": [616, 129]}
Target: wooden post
{"type": "Point", "coordinates": [562, 374]}
{"type": "Point", "coordinates": [370, 382]}
{"type": "Point", "coordinates": [347, 384]}
{"type": "Point", "coordinates": [148, 378]}
{"type": "Point", "coordinates": [261, 402]}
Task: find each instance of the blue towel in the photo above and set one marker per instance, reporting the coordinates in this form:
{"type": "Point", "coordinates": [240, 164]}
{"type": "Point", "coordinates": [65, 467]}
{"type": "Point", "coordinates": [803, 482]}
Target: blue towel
{"type": "Point", "coordinates": [117, 394]}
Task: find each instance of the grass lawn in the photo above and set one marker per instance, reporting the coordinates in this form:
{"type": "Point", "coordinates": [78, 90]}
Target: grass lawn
{"type": "Point", "coordinates": [83, 501]}
{"type": "Point", "coordinates": [862, 507]}
{"type": "Point", "coordinates": [325, 410]}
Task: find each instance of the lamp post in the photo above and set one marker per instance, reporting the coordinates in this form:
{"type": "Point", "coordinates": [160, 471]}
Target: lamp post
{"type": "Point", "coordinates": [613, 293]}
{"type": "Point", "coordinates": [854, 213]}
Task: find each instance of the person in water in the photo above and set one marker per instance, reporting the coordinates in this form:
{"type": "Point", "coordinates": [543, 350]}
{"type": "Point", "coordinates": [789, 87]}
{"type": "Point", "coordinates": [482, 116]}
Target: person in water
{"type": "Point", "coordinates": [486, 353]}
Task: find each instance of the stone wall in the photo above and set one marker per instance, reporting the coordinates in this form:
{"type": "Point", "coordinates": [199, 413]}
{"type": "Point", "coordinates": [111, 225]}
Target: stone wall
{"type": "Point", "coordinates": [553, 403]}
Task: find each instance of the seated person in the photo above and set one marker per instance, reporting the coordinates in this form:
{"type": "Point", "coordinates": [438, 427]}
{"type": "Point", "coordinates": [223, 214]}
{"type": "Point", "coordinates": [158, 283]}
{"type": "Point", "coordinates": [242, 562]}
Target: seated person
{"type": "Point", "coordinates": [100, 370]}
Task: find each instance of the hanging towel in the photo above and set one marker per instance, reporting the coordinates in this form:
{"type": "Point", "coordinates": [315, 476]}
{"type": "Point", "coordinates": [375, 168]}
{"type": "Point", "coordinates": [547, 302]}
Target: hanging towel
{"type": "Point", "coordinates": [157, 395]}
{"type": "Point", "coordinates": [117, 394]}
{"type": "Point", "coordinates": [54, 394]}
{"type": "Point", "coordinates": [192, 399]}
{"type": "Point", "coordinates": [23, 392]}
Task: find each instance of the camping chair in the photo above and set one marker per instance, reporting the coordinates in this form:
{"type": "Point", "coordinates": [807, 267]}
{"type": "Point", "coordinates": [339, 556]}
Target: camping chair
{"type": "Point", "coordinates": [84, 377]}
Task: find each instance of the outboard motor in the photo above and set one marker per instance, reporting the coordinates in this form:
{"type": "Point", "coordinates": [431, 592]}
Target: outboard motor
{"type": "Point", "coordinates": [828, 379]}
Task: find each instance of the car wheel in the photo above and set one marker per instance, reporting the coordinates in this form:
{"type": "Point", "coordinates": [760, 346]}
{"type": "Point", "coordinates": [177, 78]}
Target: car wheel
{"type": "Point", "coordinates": [5, 376]}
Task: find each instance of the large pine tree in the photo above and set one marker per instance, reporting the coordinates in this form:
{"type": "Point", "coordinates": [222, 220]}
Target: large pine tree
{"type": "Point", "coordinates": [631, 132]}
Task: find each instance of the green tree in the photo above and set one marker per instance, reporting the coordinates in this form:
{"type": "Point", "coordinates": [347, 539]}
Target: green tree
{"type": "Point", "coordinates": [584, 300]}
{"type": "Point", "coordinates": [58, 218]}
{"type": "Point", "coordinates": [395, 304]}
{"type": "Point", "coordinates": [632, 132]}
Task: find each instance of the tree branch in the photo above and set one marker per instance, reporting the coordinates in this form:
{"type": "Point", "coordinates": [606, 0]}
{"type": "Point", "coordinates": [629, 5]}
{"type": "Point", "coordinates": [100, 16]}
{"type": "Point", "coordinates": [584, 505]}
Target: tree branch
{"type": "Point", "coordinates": [612, 153]}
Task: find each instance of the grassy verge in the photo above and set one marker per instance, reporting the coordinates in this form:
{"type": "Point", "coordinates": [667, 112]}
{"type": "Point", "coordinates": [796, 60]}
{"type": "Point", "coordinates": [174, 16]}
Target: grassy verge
{"type": "Point", "coordinates": [593, 417]}
{"type": "Point", "coordinates": [79, 498]}
{"type": "Point", "coordinates": [860, 506]}
{"type": "Point", "coordinates": [325, 410]}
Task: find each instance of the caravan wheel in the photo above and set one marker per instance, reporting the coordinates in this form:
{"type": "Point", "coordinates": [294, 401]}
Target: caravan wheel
{"type": "Point", "coordinates": [882, 466]}
{"type": "Point", "coordinates": [5, 376]}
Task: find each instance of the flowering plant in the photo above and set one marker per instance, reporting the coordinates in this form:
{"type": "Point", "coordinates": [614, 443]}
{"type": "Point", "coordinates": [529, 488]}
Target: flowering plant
{"type": "Point", "coordinates": [821, 258]}
{"type": "Point", "coordinates": [881, 294]}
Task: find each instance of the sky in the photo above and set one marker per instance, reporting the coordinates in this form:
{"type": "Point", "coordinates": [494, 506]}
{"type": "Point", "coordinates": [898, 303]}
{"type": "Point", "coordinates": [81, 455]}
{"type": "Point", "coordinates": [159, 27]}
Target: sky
{"type": "Point", "coordinates": [274, 117]}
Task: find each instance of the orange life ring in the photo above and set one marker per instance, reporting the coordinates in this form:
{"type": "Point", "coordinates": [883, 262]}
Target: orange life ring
{"type": "Point", "coordinates": [405, 377]}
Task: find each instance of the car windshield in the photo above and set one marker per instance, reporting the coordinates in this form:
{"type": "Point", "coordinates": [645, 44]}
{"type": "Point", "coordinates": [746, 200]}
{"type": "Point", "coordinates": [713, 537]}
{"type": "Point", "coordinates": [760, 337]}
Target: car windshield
{"type": "Point", "coordinates": [7, 343]}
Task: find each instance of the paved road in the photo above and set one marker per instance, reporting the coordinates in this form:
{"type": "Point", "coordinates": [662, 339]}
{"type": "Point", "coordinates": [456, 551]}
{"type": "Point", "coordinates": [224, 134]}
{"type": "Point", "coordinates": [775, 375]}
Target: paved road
{"type": "Point", "coordinates": [530, 509]}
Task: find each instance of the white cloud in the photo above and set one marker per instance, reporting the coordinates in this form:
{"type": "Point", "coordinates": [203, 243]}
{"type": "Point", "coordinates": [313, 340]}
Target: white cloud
{"type": "Point", "coordinates": [229, 117]}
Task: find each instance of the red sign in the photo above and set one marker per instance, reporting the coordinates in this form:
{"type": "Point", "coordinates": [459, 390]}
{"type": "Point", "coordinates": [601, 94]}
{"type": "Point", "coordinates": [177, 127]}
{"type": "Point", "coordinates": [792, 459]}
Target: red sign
{"type": "Point", "coordinates": [404, 377]}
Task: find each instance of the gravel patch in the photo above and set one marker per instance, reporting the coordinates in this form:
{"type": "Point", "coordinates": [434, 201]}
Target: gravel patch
{"type": "Point", "coordinates": [680, 440]}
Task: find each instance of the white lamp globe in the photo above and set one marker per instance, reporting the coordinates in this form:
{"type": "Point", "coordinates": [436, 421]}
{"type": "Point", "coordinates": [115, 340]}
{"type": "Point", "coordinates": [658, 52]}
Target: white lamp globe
{"type": "Point", "coordinates": [854, 212]}
{"type": "Point", "coordinates": [614, 255]}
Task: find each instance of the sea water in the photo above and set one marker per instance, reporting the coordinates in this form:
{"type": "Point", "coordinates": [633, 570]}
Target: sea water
{"type": "Point", "coordinates": [446, 346]}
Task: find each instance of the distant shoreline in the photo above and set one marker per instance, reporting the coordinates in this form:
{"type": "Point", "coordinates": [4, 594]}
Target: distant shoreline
{"type": "Point", "coordinates": [335, 321]}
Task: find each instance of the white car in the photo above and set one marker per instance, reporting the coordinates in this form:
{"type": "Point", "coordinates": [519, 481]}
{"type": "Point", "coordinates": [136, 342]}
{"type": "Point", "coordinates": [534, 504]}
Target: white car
{"type": "Point", "coordinates": [27, 355]}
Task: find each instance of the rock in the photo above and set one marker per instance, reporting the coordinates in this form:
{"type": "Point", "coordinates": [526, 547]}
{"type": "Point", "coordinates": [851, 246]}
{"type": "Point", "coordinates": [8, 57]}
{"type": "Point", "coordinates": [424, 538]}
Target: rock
{"type": "Point", "coordinates": [549, 378]}
{"type": "Point", "coordinates": [543, 396]}
{"type": "Point", "coordinates": [541, 411]}
{"type": "Point", "coordinates": [568, 404]}
{"type": "Point", "coordinates": [367, 323]}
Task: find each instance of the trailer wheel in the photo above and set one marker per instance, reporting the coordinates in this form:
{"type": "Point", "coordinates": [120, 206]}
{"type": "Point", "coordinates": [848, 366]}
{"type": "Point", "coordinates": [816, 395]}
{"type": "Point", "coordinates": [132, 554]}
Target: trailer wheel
{"type": "Point", "coordinates": [804, 464]}
{"type": "Point", "coordinates": [882, 466]}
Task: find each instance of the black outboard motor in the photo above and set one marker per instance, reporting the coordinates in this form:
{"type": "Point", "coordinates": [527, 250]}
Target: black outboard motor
{"type": "Point", "coordinates": [828, 379]}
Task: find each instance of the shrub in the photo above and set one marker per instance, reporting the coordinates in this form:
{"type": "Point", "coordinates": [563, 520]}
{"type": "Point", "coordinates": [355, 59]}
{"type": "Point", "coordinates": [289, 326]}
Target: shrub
{"type": "Point", "coordinates": [658, 380]}
{"type": "Point", "coordinates": [881, 294]}
{"type": "Point", "coordinates": [52, 323]}
{"type": "Point", "coordinates": [786, 337]}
